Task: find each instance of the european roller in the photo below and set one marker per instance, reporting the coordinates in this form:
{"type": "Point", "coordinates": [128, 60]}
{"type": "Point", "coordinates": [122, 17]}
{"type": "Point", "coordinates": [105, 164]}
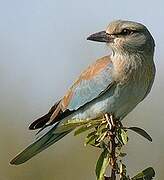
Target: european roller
{"type": "Point", "coordinates": [114, 84]}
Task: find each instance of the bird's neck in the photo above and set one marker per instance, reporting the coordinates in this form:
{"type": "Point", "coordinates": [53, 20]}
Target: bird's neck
{"type": "Point", "coordinates": [130, 64]}
{"type": "Point", "coordinates": [132, 59]}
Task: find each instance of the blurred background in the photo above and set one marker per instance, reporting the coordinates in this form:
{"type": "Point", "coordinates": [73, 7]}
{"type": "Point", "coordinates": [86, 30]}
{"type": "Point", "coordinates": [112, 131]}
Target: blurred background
{"type": "Point", "coordinates": [43, 48]}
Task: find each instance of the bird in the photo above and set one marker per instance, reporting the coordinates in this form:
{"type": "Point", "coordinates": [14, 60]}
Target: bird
{"type": "Point", "coordinates": [114, 84]}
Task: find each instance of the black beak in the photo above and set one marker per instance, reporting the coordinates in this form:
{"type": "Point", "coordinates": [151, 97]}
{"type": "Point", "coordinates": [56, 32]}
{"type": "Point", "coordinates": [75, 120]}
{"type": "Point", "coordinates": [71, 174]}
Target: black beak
{"type": "Point", "coordinates": [100, 37]}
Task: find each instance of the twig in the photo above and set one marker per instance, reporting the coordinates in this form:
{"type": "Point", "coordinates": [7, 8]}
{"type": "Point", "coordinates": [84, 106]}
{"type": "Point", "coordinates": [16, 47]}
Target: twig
{"type": "Point", "coordinates": [112, 144]}
{"type": "Point", "coordinates": [110, 136]}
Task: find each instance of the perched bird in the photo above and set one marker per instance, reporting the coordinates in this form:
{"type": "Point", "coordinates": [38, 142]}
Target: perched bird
{"type": "Point", "coordinates": [114, 84]}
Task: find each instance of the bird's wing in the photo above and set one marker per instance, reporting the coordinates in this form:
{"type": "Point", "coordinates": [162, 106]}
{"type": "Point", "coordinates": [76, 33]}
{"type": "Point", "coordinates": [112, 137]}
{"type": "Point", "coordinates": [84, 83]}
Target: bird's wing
{"type": "Point", "coordinates": [90, 84]}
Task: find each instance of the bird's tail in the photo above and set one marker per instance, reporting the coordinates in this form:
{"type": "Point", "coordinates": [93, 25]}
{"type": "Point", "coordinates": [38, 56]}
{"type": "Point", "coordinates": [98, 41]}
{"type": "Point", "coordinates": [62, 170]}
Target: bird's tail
{"type": "Point", "coordinates": [48, 137]}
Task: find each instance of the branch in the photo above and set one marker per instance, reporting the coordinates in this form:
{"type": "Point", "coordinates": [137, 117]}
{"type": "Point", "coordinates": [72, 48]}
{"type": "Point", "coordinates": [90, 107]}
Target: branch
{"type": "Point", "coordinates": [112, 144]}
{"type": "Point", "coordinates": [109, 135]}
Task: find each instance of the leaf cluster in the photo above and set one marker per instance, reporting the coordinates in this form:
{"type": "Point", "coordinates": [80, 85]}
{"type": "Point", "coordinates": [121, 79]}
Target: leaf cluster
{"type": "Point", "coordinates": [100, 136]}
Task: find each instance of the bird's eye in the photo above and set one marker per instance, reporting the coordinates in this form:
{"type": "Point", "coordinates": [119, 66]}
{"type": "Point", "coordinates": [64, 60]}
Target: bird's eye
{"type": "Point", "coordinates": [126, 32]}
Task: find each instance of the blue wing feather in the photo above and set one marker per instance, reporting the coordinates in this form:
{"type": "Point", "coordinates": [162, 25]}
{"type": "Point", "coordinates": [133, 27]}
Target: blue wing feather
{"type": "Point", "coordinates": [87, 90]}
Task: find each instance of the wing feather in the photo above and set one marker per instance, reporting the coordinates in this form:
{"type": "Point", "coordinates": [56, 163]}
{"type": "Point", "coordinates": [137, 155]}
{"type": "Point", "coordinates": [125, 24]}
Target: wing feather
{"type": "Point", "coordinates": [93, 82]}
{"type": "Point", "coordinates": [90, 84]}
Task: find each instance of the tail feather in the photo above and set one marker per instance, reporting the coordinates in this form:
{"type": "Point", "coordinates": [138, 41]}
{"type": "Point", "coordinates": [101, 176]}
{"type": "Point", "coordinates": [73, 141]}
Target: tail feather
{"type": "Point", "coordinates": [39, 123]}
{"type": "Point", "coordinates": [41, 143]}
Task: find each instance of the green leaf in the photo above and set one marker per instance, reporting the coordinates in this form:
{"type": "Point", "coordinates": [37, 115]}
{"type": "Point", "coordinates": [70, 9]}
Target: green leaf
{"type": "Point", "coordinates": [123, 172]}
{"type": "Point", "coordinates": [102, 128]}
{"type": "Point", "coordinates": [73, 123]}
{"type": "Point", "coordinates": [146, 174]}
{"type": "Point", "coordinates": [122, 136]}
{"type": "Point", "coordinates": [90, 139]}
{"type": "Point", "coordinates": [98, 144]}
{"type": "Point", "coordinates": [122, 154]}
{"type": "Point", "coordinates": [84, 128]}
{"type": "Point", "coordinates": [91, 134]}
{"type": "Point", "coordinates": [95, 144]}
{"type": "Point", "coordinates": [101, 137]}
{"type": "Point", "coordinates": [102, 164]}
{"type": "Point", "coordinates": [141, 132]}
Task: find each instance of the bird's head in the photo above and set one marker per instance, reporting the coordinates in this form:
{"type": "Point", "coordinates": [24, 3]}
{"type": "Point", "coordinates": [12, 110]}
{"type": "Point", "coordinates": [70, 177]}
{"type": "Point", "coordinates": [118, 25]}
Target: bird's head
{"type": "Point", "coordinates": [126, 36]}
